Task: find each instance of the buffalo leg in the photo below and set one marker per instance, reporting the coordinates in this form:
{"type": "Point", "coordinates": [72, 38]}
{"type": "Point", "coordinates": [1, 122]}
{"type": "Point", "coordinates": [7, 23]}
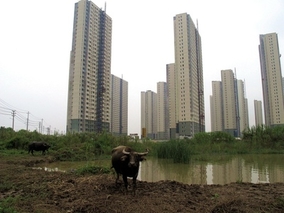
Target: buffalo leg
{"type": "Point", "coordinates": [134, 183]}
{"type": "Point", "coordinates": [117, 178]}
{"type": "Point", "coordinates": [125, 181]}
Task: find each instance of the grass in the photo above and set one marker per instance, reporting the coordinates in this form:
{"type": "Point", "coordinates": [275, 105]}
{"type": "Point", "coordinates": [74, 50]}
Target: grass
{"type": "Point", "coordinates": [4, 186]}
{"type": "Point", "coordinates": [239, 181]}
{"type": "Point", "coordinates": [6, 205]}
{"type": "Point", "coordinates": [91, 146]}
{"type": "Point", "coordinates": [280, 202]}
{"type": "Point", "coordinates": [178, 151]}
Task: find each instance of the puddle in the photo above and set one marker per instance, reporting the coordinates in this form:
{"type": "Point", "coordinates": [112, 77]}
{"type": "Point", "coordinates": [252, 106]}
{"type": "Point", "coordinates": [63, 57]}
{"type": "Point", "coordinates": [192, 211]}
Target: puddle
{"type": "Point", "coordinates": [47, 169]}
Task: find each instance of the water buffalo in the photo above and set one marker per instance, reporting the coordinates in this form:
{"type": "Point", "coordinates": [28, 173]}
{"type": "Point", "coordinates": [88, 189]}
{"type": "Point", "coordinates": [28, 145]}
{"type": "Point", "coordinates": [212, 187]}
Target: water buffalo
{"type": "Point", "coordinates": [38, 146]}
{"type": "Point", "coordinates": [126, 161]}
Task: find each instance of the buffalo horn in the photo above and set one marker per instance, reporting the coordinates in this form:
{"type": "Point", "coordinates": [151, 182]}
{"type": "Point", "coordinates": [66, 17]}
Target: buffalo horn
{"type": "Point", "coordinates": [124, 152]}
{"type": "Point", "coordinates": [143, 153]}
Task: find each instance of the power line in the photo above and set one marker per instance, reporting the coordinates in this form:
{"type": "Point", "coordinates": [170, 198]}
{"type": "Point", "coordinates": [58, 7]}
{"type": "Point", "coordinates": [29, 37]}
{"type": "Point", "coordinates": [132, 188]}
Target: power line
{"type": "Point", "coordinates": [4, 113]}
{"type": "Point", "coordinates": [25, 117]}
{"type": "Point", "coordinates": [13, 115]}
{"type": "Point", "coordinates": [9, 106]}
{"type": "Point", "coordinates": [35, 116]}
{"type": "Point", "coordinates": [5, 110]}
{"type": "Point", "coordinates": [16, 113]}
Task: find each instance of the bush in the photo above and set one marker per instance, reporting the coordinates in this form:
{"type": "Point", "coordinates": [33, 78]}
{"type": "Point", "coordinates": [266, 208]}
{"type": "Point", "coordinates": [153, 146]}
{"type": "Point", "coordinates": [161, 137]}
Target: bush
{"type": "Point", "coordinates": [17, 143]}
{"type": "Point", "coordinates": [178, 150]}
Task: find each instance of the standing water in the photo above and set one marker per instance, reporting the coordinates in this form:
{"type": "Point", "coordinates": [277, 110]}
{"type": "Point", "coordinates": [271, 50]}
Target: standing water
{"type": "Point", "coordinates": [262, 168]}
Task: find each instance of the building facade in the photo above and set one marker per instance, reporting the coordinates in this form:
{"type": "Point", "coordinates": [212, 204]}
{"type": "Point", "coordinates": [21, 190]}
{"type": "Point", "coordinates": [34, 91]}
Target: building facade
{"type": "Point", "coordinates": [242, 107]}
{"type": "Point", "coordinates": [171, 82]}
{"type": "Point", "coordinates": [229, 102]}
{"type": "Point", "coordinates": [149, 114]}
{"type": "Point", "coordinates": [258, 113]}
{"type": "Point", "coordinates": [229, 105]}
{"type": "Point", "coordinates": [283, 84]}
{"type": "Point", "coordinates": [216, 107]}
{"type": "Point", "coordinates": [89, 72]}
{"type": "Point", "coordinates": [162, 111]}
{"type": "Point", "coordinates": [271, 77]}
{"type": "Point", "coordinates": [189, 88]}
{"type": "Point", "coordinates": [119, 106]}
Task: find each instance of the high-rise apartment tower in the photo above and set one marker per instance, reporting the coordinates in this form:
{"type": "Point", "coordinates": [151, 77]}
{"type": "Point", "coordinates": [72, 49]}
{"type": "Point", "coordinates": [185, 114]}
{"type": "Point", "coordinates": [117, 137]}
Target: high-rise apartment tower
{"type": "Point", "coordinates": [216, 107]}
{"type": "Point", "coordinates": [271, 77]}
{"type": "Point", "coordinates": [162, 111]}
{"type": "Point", "coordinates": [229, 102]}
{"type": "Point", "coordinates": [119, 106]}
{"type": "Point", "coordinates": [228, 105]}
{"type": "Point", "coordinates": [242, 107]}
{"type": "Point", "coordinates": [149, 114]}
{"type": "Point", "coordinates": [189, 111]}
{"type": "Point", "coordinates": [258, 113]}
{"type": "Point", "coordinates": [89, 72]}
{"type": "Point", "coordinates": [171, 82]}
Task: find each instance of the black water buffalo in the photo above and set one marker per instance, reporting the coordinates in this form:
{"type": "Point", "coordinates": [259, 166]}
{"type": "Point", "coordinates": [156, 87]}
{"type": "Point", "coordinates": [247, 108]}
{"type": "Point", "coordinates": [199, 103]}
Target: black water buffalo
{"type": "Point", "coordinates": [38, 146]}
{"type": "Point", "coordinates": [126, 161]}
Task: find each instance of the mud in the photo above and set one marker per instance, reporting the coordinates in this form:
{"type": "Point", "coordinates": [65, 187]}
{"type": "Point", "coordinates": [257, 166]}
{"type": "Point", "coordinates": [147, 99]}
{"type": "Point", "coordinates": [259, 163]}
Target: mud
{"type": "Point", "coordinates": [34, 190]}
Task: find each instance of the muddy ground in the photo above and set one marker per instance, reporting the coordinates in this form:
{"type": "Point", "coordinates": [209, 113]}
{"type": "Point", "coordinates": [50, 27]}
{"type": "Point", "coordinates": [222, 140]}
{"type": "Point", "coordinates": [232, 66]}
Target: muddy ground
{"type": "Point", "coordinates": [33, 190]}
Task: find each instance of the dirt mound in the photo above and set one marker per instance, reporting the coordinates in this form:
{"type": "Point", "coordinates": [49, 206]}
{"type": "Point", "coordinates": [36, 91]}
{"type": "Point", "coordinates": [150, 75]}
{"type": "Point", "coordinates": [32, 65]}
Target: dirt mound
{"type": "Point", "coordinates": [34, 190]}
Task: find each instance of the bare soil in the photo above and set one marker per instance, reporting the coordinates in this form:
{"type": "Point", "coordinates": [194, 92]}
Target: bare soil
{"type": "Point", "coordinates": [35, 190]}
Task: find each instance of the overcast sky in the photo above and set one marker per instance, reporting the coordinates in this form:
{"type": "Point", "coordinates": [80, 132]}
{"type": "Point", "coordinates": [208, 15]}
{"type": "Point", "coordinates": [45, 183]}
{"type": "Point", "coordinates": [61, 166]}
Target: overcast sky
{"type": "Point", "coordinates": [35, 44]}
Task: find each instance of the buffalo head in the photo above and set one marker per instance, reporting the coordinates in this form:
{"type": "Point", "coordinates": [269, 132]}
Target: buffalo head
{"type": "Point", "coordinates": [133, 157]}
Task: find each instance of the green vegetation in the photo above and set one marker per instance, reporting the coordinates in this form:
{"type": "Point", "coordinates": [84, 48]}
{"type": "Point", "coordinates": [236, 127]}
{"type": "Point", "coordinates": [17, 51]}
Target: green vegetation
{"type": "Point", "coordinates": [279, 202]}
{"type": "Point", "coordinates": [265, 137]}
{"type": "Point", "coordinates": [91, 146]}
{"type": "Point", "coordinates": [7, 205]}
{"type": "Point", "coordinates": [69, 147]}
{"type": "Point", "coordinates": [256, 140]}
{"type": "Point", "coordinates": [179, 151]}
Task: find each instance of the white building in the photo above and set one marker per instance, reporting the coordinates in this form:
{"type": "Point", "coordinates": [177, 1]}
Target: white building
{"type": "Point", "coordinates": [119, 106]}
{"type": "Point", "coordinates": [171, 82]}
{"type": "Point", "coordinates": [189, 87]}
{"type": "Point", "coordinates": [216, 107]}
{"type": "Point", "coordinates": [228, 105]}
{"type": "Point", "coordinates": [89, 73]}
{"type": "Point", "coordinates": [162, 111]}
{"type": "Point", "coordinates": [149, 114]}
{"type": "Point", "coordinates": [271, 76]}
{"type": "Point", "coordinates": [258, 113]}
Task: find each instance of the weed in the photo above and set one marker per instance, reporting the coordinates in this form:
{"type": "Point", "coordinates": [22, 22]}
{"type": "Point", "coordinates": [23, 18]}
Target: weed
{"type": "Point", "coordinates": [280, 202]}
{"type": "Point", "coordinates": [215, 196]}
{"type": "Point", "coordinates": [7, 205]}
{"type": "Point", "coordinates": [239, 181]}
{"type": "Point", "coordinates": [5, 187]}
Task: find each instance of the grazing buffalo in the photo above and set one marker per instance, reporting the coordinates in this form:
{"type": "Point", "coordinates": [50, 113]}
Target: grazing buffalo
{"type": "Point", "coordinates": [38, 146]}
{"type": "Point", "coordinates": [126, 161]}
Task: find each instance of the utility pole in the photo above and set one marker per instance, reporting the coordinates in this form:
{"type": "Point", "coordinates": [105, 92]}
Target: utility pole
{"type": "Point", "coordinates": [48, 130]}
{"type": "Point", "coordinates": [13, 120]}
{"type": "Point", "coordinates": [42, 126]}
{"type": "Point", "coordinates": [28, 121]}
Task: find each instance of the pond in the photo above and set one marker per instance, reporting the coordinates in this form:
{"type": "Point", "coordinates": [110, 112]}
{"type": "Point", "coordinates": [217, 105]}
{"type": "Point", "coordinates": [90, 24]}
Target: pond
{"type": "Point", "coordinates": [268, 168]}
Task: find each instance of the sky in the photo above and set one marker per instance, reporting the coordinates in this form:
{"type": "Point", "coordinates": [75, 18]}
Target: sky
{"type": "Point", "coordinates": [35, 45]}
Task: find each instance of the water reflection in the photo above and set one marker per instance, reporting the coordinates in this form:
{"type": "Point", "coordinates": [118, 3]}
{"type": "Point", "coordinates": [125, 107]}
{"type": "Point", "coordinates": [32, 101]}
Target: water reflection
{"type": "Point", "coordinates": [222, 170]}
{"type": "Point", "coordinates": [245, 168]}
{"type": "Point", "coordinates": [48, 169]}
